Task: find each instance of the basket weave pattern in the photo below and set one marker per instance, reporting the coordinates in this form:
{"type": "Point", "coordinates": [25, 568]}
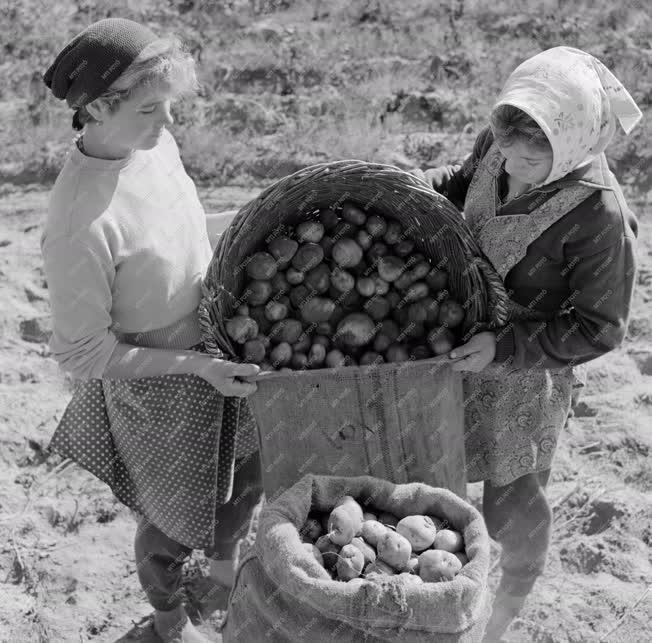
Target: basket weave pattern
{"type": "Point", "coordinates": [430, 220]}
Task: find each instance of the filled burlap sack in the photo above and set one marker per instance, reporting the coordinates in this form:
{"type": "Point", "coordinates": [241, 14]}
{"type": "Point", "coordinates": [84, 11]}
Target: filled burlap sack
{"type": "Point", "coordinates": [282, 593]}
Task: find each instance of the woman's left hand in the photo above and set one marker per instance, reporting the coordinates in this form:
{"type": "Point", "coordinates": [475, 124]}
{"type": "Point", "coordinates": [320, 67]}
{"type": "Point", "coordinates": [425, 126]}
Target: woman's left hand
{"type": "Point", "coordinates": [476, 354]}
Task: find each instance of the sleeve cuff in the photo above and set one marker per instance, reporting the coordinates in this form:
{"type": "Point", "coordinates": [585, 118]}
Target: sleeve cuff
{"type": "Point", "coordinates": [504, 344]}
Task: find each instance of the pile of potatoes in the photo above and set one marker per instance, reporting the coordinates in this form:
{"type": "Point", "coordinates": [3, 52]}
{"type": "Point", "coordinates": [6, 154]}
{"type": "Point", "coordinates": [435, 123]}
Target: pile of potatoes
{"type": "Point", "coordinates": [342, 289]}
{"type": "Point", "coordinates": [350, 543]}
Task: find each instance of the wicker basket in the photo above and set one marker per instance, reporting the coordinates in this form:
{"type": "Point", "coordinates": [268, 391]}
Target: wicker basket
{"type": "Point", "coordinates": [439, 233]}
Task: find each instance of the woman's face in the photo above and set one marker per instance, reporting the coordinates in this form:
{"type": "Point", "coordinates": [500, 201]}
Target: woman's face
{"type": "Point", "coordinates": [527, 163]}
{"type": "Point", "coordinates": [138, 122]}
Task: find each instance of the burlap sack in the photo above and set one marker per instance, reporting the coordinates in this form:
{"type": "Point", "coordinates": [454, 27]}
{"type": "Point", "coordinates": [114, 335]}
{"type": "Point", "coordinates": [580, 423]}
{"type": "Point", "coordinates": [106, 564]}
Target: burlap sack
{"type": "Point", "coordinates": [283, 594]}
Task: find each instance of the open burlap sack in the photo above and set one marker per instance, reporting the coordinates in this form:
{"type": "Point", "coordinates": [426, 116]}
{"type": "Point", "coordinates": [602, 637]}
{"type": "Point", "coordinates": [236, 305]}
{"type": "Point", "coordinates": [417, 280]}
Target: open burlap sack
{"type": "Point", "coordinates": [283, 594]}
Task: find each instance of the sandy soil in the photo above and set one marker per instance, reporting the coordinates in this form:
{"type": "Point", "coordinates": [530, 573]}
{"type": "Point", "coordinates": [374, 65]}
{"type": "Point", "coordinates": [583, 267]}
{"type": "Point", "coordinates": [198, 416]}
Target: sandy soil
{"type": "Point", "coordinates": [66, 563]}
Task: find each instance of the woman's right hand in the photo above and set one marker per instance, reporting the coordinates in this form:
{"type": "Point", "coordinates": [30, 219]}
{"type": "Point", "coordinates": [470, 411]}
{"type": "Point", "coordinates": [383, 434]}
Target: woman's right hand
{"type": "Point", "coordinates": [227, 377]}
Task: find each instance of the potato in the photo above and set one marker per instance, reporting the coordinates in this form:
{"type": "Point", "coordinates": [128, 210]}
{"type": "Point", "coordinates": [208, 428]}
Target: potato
{"type": "Point", "coordinates": [412, 565]}
{"type": "Point", "coordinates": [241, 329]}
{"type": "Point", "coordinates": [349, 300]}
{"type": "Point", "coordinates": [421, 270]}
{"type": "Point", "coordinates": [373, 531]}
{"type": "Point", "coordinates": [242, 310]}
{"type": "Point", "coordinates": [413, 330]}
{"type": "Point", "coordinates": [299, 361]}
{"type": "Point", "coordinates": [420, 351]}
{"type": "Point", "coordinates": [308, 256]}
{"type": "Point", "coordinates": [417, 291]}
{"type": "Point", "coordinates": [317, 309]}
{"type": "Point", "coordinates": [286, 330]}
{"type": "Point", "coordinates": [253, 351]}
{"type": "Point", "coordinates": [441, 340]}
{"type": "Point", "coordinates": [360, 269]}
{"type": "Point", "coordinates": [393, 298]}
{"type": "Point", "coordinates": [328, 218]}
{"type": "Point", "coordinates": [313, 551]}
{"type": "Point", "coordinates": [258, 292]}
{"type": "Point", "coordinates": [280, 284]}
{"type": "Point", "coordinates": [257, 313]}
{"type": "Point", "coordinates": [390, 268]}
{"type": "Point", "coordinates": [274, 311]}
{"type": "Point", "coordinates": [404, 248]}
{"type": "Point", "coordinates": [310, 231]}
{"type": "Point", "coordinates": [369, 515]}
{"type": "Point", "coordinates": [316, 356]}
{"type": "Point", "coordinates": [366, 286]}
{"type": "Point", "coordinates": [318, 278]}
{"type": "Point", "coordinates": [364, 239]}
{"type": "Point", "coordinates": [321, 339]}
{"type": "Point", "coordinates": [342, 280]}
{"type": "Point", "coordinates": [294, 277]}
{"type": "Point", "coordinates": [298, 295]}
{"type": "Point", "coordinates": [431, 306]}
{"type": "Point", "coordinates": [395, 550]}
{"type": "Point", "coordinates": [350, 563]}
{"type": "Point", "coordinates": [335, 359]}
{"type": "Point", "coordinates": [371, 357]}
{"type": "Point", "coordinates": [382, 286]}
{"type": "Point", "coordinates": [377, 308]}
{"type": "Point", "coordinates": [367, 551]}
{"type": "Point", "coordinates": [354, 506]}
{"type": "Point", "coordinates": [312, 528]}
{"type": "Point", "coordinates": [404, 281]}
{"type": "Point", "coordinates": [462, 557]}
{"type": "Point", "coordinates": [353, 214]}
{"type": "Point", "coordinates": [347, 253]}
{"type": "Point", "coordinates": [377, 250]}
{"type": "Point", "coordinates": [327, 244]}
{"type": "Point", "coordinates": [379, 567]}
{"type": "Point", "coordinates": [283, 299]}
{"type": "Point", "coordinates": [436, 565]}
{"type": "Point", "coordinates": [451, 313]}
{"type": "Point", "coordinates": [344, 229]}
{"type": "Point", "coordinates": [397, 353]}
{"type": "Point", "coordinates": [265, 341]}
{"type": "Point", "coordinates": [261, 266]}
{"type": "Point", "coordinates": [329, 551]}
{"type": "Point", "coordinates": [376, 226]}
{"type": "Point", "coordinates": [417, 312]}
{"type": "Point", "coordinates": [437, 279]}
{"type": "Point", "coordinates": [387, 518]}
{"type": "Point", "coordinates": [393, 233]}
{"type": "Point", "coordinates": [303, 344]}
{"type": "Point", "coordinates": [449, 540]}
{"type": "Point", "coordinates": [282, 249]}
{"type": "Point", "coordinates": [281, 354]}
{"type": "Point", "coordinates": [343, 524]}
{"type": "Point", "coordinates": [419, 530]}
{"type": "Point", "coordinates": [356, 329]}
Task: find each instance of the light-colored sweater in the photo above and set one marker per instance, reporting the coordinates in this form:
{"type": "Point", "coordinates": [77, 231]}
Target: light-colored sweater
{"type": "Point", "coordinates": [125, 247]}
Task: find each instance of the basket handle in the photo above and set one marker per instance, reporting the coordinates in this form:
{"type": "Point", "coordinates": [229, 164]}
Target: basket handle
{"type": "Point", "coordinates": [498, 299]}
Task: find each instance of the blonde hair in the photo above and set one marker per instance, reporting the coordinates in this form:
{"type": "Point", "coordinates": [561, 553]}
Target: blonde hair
{"type": "Point", "coordinates": [164, 60]}
{"type": "Point", "coordinates": [510, 124]}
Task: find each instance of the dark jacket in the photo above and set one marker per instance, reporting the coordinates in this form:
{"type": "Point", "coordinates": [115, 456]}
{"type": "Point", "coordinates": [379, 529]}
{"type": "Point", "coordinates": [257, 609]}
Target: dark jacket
{"type": "Point", "coordinates": [582, 268]}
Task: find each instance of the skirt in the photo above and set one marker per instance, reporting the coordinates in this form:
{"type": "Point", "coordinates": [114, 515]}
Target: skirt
{"type": "Point", "coordinates": [512, 421]}
{"type": "Point", "coordinates": [165, 445]}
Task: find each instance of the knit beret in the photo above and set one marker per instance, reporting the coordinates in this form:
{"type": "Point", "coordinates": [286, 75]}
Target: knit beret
{"type": "Point", "coordinates": [88, 65]}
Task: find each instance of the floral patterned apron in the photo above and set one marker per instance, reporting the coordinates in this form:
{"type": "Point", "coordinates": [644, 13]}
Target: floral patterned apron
{"type": "Point", "coordinates": [513, 416]}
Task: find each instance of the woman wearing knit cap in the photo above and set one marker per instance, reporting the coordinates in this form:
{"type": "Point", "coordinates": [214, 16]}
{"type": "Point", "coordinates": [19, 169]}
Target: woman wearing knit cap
{"type": "Point", "coordinates": [125, 248]}
{"type": "Point", "coordinates": [539, 197]}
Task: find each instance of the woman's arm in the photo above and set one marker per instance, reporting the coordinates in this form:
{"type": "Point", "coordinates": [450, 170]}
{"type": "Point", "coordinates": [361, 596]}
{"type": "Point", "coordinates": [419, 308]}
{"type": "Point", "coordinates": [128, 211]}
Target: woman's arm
{"type": "Point", "coordinates": [452, 181]}
{"type": "Point", "coordinates": [601, 287]}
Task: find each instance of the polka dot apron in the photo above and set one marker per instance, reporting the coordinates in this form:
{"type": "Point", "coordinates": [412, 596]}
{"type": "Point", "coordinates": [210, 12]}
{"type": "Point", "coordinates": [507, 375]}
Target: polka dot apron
{"type": "Point", "coordinates": [166, 446]}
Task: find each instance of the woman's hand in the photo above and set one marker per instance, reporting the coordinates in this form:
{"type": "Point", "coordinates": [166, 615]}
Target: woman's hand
{"type": "Point", "coordinates": [476, 354]}
{"type": "Point", "coordinates": [229, 378]}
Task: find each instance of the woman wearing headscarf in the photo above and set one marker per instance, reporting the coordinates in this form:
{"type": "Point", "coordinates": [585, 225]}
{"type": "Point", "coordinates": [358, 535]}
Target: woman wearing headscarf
{"type": "Point", "coordinates": [539, 198]}
{"type": "Point", "coordinates": [125, 247]}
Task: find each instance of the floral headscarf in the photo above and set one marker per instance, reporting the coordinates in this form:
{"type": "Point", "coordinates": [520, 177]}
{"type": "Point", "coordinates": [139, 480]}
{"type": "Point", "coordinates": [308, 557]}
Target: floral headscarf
{"type": "Point", "coordinates": [575, 100]}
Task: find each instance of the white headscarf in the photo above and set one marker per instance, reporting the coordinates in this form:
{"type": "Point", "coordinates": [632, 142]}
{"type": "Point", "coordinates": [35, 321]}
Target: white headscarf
{"type": "Point", "coordinates": [575, 100]}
